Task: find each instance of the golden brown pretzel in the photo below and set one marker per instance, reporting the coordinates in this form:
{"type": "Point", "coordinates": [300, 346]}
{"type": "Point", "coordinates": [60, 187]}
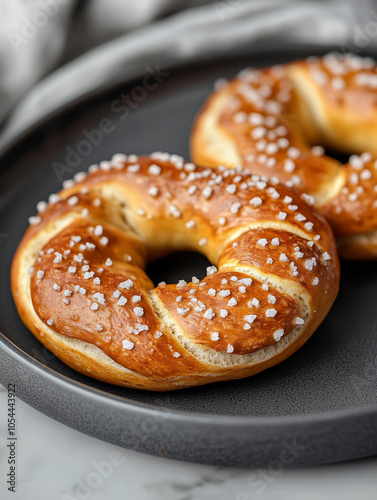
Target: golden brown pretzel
{"type": "Point", "coordinates": [79, 284]}
{"type": "Point", "coordinates": [268, 120]}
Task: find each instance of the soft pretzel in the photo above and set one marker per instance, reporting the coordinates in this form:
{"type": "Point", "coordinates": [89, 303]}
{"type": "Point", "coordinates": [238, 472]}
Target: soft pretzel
{"type": "Point", "coordinates": [79, 283]}
{"type": "Point", "coordinates": [267, 120]}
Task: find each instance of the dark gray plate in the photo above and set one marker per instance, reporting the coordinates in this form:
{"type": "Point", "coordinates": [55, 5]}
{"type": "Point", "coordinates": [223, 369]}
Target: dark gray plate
{"type": "Point", "coordinates": [318, 406]}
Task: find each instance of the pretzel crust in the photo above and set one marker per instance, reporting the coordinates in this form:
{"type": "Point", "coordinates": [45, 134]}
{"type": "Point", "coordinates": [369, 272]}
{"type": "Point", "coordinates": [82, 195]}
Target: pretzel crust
{"type": "Point", "coordinates": [79, 283]}
{"type": "Point", "coordinates": [268, 121]}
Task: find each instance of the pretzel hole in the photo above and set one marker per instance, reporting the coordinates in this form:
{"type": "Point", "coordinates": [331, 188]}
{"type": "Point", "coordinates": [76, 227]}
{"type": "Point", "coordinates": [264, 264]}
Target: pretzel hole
{"type": "Point", "coordinates": [177, 266]}
{"type": "Point", "coordinates": [337, 155]}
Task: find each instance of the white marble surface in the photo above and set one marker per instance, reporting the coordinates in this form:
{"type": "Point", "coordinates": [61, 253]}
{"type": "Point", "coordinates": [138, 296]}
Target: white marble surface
{"type": "Point", "coordinates": [56, 462]}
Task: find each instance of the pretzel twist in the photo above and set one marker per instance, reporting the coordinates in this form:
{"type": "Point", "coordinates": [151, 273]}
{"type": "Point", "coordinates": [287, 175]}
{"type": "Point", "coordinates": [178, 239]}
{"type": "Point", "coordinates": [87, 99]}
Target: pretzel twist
{"type": "Point", "coordinates": [267, 120]}
{"type": "Point", "coordinates": [79, 283]}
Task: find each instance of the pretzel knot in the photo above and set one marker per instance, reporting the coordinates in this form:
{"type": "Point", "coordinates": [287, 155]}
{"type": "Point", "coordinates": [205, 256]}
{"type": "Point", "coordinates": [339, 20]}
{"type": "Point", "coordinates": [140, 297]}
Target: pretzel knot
{"type": "Point", "coordinates": [268, 120]}
{"type": "Point", "coordinates": [79, 283]}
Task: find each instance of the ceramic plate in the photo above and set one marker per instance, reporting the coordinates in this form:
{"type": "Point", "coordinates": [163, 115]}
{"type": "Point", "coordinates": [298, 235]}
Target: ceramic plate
{"type": "Point", "coordinates": [318, 406]}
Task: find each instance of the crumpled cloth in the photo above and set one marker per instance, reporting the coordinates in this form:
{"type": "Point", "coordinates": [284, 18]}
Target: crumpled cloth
{"type": "Point", "coordinates": [54, 51]}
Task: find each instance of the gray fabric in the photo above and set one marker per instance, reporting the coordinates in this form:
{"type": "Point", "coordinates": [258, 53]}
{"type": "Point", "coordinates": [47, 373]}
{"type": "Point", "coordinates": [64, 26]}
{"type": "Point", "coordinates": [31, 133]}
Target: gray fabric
{"type": "Point", "coordinates": [36, 36]}
{"type": "Point", "coordinates": [211, 30]}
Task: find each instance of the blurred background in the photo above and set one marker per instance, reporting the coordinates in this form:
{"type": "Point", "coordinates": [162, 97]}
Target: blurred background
{"type": "Point", "coordinates": [52, 51]}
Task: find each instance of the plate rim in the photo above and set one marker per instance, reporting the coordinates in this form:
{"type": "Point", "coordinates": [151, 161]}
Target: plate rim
{"type": "Point", "coordinates": [136, 407]}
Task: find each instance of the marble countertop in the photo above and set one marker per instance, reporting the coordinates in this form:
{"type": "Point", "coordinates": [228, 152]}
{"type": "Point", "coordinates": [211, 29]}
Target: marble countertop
{"type": "Point", "coordinates": [56, 462]}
